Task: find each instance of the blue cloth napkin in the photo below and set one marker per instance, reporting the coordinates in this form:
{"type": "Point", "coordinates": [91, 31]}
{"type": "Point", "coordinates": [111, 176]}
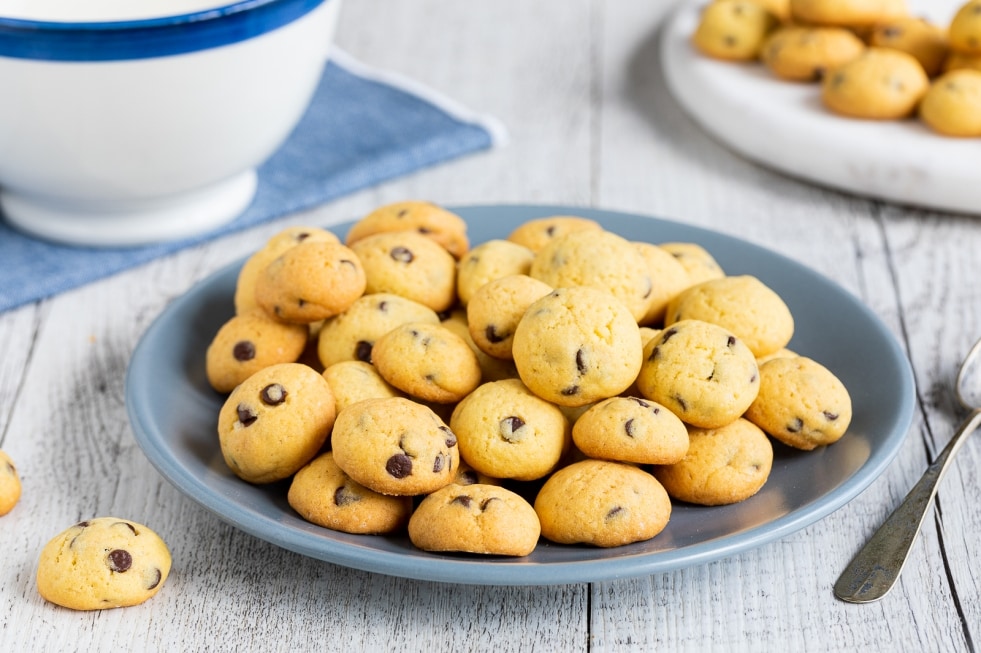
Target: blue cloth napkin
{"type": "Point", "coordinates": [364, 126]}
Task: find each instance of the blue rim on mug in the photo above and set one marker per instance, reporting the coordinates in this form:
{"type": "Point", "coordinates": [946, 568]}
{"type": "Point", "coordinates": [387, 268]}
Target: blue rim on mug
{"type": "Point", "coordinates": [149, 37]}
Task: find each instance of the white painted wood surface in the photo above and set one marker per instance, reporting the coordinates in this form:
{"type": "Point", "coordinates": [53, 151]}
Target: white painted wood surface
{"type": "Point", "coordinates": [578, 84]}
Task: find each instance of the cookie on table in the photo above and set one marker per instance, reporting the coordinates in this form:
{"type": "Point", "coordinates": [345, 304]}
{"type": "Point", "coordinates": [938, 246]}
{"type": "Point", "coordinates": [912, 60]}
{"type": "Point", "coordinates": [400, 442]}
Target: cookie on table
{"type": "Point", "coordinates": [10, 486]}
{"type": "Point", "coordinates": [599, 259]}
{"type": "Point", "coordinates": [668, 278]}
{"type": "Point", "coordinates": [733, 30]}
{"type": "Point", "coordinates": [427, 361]}
{"type": "Point", "coordinates": [535, 234]}
{"type": "Point", "coordinates": [576, 346]}
{"type": "Point", "coordinates": [483, 519]}
{"type": "Point", "coordinates": [743, 305]}
{"type": "Point", "coordinates": [847, 13]}
{"type": "Point", "coordinates": [351, 335]}
{"type": "Point", "coordinates": [248, 342]}
{"type": "Point", "coordinates": [701, 372]}
{"type": "Point", "coordinates": [409, 264]}
{"type": "Point", "coordinates": [506, 431]}
{"type": "Point", "coordinates": [489, 261]}
{"type": "Point", "coordinates": [723, 466]}
{"type": "Point", "coordinates": [442, 226]}
{"type": "Point", "coordinates": [916, 36]}
{"type": "Point", "coordinates": [804, 54]}
{"type": "Point", "coordinates": [310, 281]}
{"type": "Point", "coordinates": [491, 368]}
{"type": "Point", "coordinates": [697, 261]}
{"type": "Point", "coordinates": [354, 381]}
{"type": "Point", "coordinates": [801, 403]}
{"type": "Point", "coordinates": [323, 494]}
{"type": "Point", "coordinates": [395, 446]}
{"type": "Point", "coordinates": [496, 308]}
{"type": "Point", "coordinates": [964, 32]}
{"type": "Point", "coordinates": [602, 503]}
{"type": "Point", "coordinates": [631, 430]}
{"type": "Point", "coordinates": [952, 105]}
{"type": "Point", "coordinates": [275, 422]}
{"type": "Point", "coordinates": [257, 262]}
{"type": "Point", "coordinates": [103, 563]}
{"type": "Point", "coordinates": [879, 84]}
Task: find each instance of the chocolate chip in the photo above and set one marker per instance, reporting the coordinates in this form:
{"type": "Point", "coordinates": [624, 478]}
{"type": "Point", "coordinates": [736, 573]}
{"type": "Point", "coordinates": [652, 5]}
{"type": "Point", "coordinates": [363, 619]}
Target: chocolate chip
{"type": "Point", "coordinates": [462, 499]}
{"type": "Point", "coordinates": [796, 425]}
{"type": "Point", "coordinates": [301, 302]}
{"type": "Point", "coordinates": [399, 466]}
{"type": "Point", "coordinates": [492, 336]}
{"type": "Point", "coordinates": [581, 361]}
{"type": "Point", "coordinates": [438, 463]}
{"type": "Point", "coordinates": [891, 31]}
{"type": "Point", "coordinates": [468, 477]}
{"type": "Point", "coordinates": [550, 231]}
{"type": "Point", "coordinates": [629, 427]}
{"type": "Point", "coordinates": [655, 353]}
{"type": "Point", "coordinates": [681, 403]}
{"type": "Point", "coordinates": [444, 315]}
{"type": "Point", "coordinates": [730, 341]}
{"type": "Point", "coordinates": [362, 351]}
{"type": "Point", "coordinates": [402, 254]}
{"type": "Point", "coordinates": [486, 502]}
{"type": "Point", "coordinates": [667, 335]}
{"type": "Point", "coordinates": [246, 415]}
{"type": "Point", "coordinates": [424, 230]}
{"type": "Point", "coordinates": [614, 512]}
{"type": "Point", "coordinates": [273, 394]}
{"type": "Point", "coordinates": [343, 496]}
{"type": "Point", "coordinates": [154, 577]}
{"type": "Point", "coordinates": [639, 401]}
{"type": "Point", "coordinates": [828, 415]}
{"type": "Point", "coordinates": [509, 427]}
{"type": "Point", "coordinates": [402, 213]}
{"type": "Point", "coordinates": [345, 261]}
{"type": "Point", "coordinates": [450, 436]}
{"type": "Point", "coordinates": [752, 379]}
{"type": "Point", "coordinates": [127, 525]}
{"type": "Point", "coordinates": [383, 306]}
{"type": "Point", "coordinates": [119, 560]}
{"type": "Point", "coordinates": [244, 350]}
{"type": "Point", "coordinates": [570, 391]}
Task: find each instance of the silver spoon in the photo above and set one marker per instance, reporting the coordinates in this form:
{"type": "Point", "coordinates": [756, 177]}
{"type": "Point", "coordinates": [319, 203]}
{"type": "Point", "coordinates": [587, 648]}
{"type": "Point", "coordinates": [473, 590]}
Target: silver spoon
{"type": "Point", "coordinates": [876, 567]}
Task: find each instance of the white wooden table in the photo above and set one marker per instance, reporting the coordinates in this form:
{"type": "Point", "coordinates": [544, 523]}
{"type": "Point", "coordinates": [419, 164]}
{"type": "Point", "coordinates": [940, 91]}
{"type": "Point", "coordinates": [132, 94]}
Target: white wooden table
{"type": "Point", "coordinates": [577, 83]}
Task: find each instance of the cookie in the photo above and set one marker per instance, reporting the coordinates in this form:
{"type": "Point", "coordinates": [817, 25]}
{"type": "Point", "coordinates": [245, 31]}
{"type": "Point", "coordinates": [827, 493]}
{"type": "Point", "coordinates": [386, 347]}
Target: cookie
{"type": "Point", "coordinates": [847, 13]}
{"type": "Point", "coordinates": [598, 259]}
{"type": "Point", "coordinates": [323, 494]}
{"type": "Point", "coordinates": [395, 446]}
{"type": "Point", "coordinates": [506, 431]}
{"type": "Point", "coordinates": [103, 563]}
{"type": "Point", "coordinates": [723, 466]}
{"type": "Point", "coordinates": [245, 281]}
{"type": "Point", "coordinates": [879, 84]}
{"type": "Point", "coordinates": [916, 36]}
{"type": "Point", "coordinates": [631, 430]}
{"type": "Point", "coordinates": [10, 486]}
{"type": "Point", "coordinates": [354, 381]}
{"type": "Point", "coordinates": [701, 372]}
{"type": "Point", "coordinates": [310, 281]}
{"type": "Point", "coordinates": [440, 225]}
{"type": "Point", "coordinates": [427, 361]}
{"type": "Point", "coordinates": [668, 278]}
{"type": "Point", "coordinates": [535, 234]}
{"type": "Point", "coordinates": [351, 335]}
{"type": "Point", "coordinates": [801, 403]}
{"type": "Point", "coordinates": [496, 308]}
{"type": "Point", "coordinates": [804, 54]}
{"type": "Point", "coordinates": [275, 422]}
{"type": "Point", "coordinates": [697, 261]}
{"type": "Point", "coordinates": [409, 264]}
{"type": "Point", "coordinates": [482, 519]}
{"type": "Point", "coordinates": [964, 32]}
{"type": "Point", "coordinates": [488, 261]}
{"type": "Point", "coordinates": [603, 504]}
{"type": "Point", "coordinates": [733, 30]}
{"type": "Point", "coordinates": [952, 105]}
{"type": "Point", "coordinates": [743, 305]}
{"type": "Point", "coordinates": [576, 346]}
{"type": "Point", "coordinates": [248, 342]}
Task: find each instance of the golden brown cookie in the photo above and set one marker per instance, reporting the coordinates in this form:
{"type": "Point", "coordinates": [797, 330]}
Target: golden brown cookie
{"type": "Point", "coordinates": [879, 84]}
{"type": "Point", "coordinates": [804, 54]}
{"type": "Point", "coordinates": [442, 226]}
{"type": "Point", "coordinates": [631, 430]}
{"type": "Point", "coordinates": [733, 29]}
{"type": "Point", "coordinates": [535, 234]}
{"type": "Point", "coordinates": [248, 342]}
{"type": "Point", "coordinates": [10, 486]}
{"type": "Point", "coordinates": [488, 261]}
{"type": "Point", "coordinates": [496, 308]}
{"type": "Point", "coordinates": [916, 36]}
{"type": "Point", "coordinates": [964, 33]}
{"type": "Point", "coordinates": [952, 105]}
{"type": "Point", "coordinates": [846, 13]}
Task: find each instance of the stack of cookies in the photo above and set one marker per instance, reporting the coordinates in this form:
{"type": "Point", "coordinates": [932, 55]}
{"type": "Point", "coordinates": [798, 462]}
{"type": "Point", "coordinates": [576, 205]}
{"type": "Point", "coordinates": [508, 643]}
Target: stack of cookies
{"type": "Point", "coordinates": [872, 58]}
{"type": "Point", "coordinates": [562, 382]}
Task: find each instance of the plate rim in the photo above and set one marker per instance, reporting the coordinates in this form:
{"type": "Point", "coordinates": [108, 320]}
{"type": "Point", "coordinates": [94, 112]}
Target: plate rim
{"type": "Point", "coordinates": [481, 571]}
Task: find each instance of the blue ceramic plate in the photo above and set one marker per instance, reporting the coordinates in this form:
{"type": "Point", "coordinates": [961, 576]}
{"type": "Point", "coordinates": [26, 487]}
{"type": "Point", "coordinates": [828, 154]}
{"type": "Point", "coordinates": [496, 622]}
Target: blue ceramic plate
{"type": "Point", "coordinates": [174, 413]}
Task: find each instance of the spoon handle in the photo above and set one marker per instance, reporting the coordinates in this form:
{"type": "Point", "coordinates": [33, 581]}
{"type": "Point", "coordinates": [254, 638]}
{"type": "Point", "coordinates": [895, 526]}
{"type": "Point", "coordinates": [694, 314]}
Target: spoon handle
{"type": "Point", "coordinates": [876, 567]}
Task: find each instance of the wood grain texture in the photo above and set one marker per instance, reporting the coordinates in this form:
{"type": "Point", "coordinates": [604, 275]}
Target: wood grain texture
{"type": "Point", "coordinates": [591, 123]}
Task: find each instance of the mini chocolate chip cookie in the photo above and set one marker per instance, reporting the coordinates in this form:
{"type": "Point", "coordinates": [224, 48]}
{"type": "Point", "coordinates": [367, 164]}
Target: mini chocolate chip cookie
{"type": "Point", "coordinates": [488, 261]}
{"type": "Point", "coordinates": [723, 466]}
{"type": "Point", "coordinates": [697, 261]}
{"type": "Point", "coordinates": [409, 264]}
{"type": "Point", "coordinates": [916, 36]}
{"type": "Point", "coordinates": [733, 30]}
{"type": "Point", "coordinates": [858, 14]}
{"type": "Point", "coordinates": [103, 563]}
{"type": "Point", "coordinates": [631, 430]}
{"type": "Point", "coordinates": [952, 105]}
{"type": "Point", "coordinates": [395, 446]}
{"type": "Point", "coordinates": [603, 504]}
{"type": "Point", "coordinates": [248, 342]}
{"type": "Point", "coordinates": [535, 234]}
{"type": "Point", "coordinates": [275, 422]}
{"type": "Point", "coordinates": [10, 486]}
{"type": "Point", "coordinates": [354, 381]}
{"type": "Point", "coordinates": [440, 225]}
{"type": "Point", "coordinates": [668, 278]}
{"type": "Point", "coordinates": [496, 308]}
{"type": "Point", "coordinates": [801, 403]}
{"type": "Point", "coordinates": [803, 53]}
{"type": "Point", "coordinates": [964, 32]}
{"type": "Point", "coordinates": [879, 84]}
